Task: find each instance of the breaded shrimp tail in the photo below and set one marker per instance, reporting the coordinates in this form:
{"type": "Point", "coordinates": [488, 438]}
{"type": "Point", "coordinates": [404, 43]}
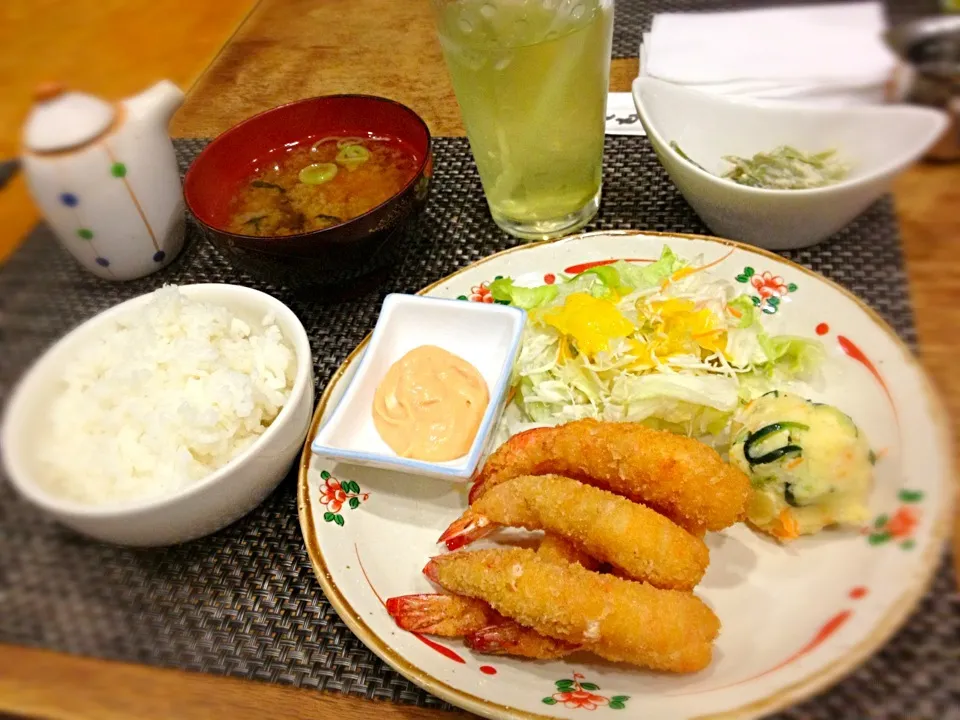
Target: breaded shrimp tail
{"type": "Point", "coordinates": [510, 638]}
{"type": "Point", "coordinates": [636, 540]}
{"type": "Point", "coordinates": [679, 476]}
{"type": "Point", "coordinates": [483, 628]}
{"type": "Point", "coordinates": [443, 615]}
{"type": "Point", "coordinates": [616, 619]}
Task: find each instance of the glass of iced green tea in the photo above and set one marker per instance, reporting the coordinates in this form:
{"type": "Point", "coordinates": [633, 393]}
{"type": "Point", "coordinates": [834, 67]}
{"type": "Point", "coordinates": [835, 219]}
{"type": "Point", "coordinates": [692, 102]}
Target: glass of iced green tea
{"type": "Point", "coordinates": [531, 78]}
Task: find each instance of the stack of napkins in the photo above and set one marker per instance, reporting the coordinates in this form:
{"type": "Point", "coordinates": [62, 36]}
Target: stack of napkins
{"type": "Point", "coordinates": [823, 54]}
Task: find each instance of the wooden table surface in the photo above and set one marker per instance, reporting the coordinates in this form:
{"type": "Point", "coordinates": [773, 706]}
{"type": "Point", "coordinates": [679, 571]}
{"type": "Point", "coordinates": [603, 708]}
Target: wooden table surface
{"type": "Point", "coordinates": [290, 49]}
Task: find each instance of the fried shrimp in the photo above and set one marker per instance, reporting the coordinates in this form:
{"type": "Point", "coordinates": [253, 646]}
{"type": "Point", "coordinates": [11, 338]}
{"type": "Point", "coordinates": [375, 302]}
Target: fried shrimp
{"type": "Point", "coordinates": [483, 628]}
{"type": "Point", "coordinates": [677, 475]}
{"type": "Point", "coordinates": [554, 548]}
{"type": "Point", "coordinates": [634, 539]}
{"type": "Point", "coordinates": [616, 619]}
{"type": "Point", "coordinates": [510, 638]}
{"type": "Point", "coordinates": [443, 615]}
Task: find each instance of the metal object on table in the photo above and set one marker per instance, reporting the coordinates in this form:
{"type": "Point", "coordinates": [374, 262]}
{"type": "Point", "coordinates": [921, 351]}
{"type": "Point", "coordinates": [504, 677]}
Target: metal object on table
{"type": "Point", "coordinates": [929, 50]}
{"type": "Point", "coordinates": [8, 168]}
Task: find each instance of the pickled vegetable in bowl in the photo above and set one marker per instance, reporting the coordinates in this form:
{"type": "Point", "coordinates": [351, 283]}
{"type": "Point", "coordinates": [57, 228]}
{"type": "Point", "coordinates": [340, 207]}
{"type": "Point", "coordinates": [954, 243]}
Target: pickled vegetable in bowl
{"type": "Point", "coordinates": [316, 185]}
{"type": "Point", "coordinates": [783, 168]}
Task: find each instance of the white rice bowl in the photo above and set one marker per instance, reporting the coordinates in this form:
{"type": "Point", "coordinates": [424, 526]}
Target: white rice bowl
{"type": "Point", "coordinates": [178, 389]}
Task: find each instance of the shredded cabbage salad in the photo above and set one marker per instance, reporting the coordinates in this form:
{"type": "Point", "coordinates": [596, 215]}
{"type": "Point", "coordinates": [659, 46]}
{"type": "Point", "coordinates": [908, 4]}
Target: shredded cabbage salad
{"type": "Point", "coordinates": [666, 344]}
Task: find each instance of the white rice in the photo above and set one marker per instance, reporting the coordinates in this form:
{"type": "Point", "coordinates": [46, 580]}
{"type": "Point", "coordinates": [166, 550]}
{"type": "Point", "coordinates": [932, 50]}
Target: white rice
{"type": "Point", "coordinates": [175, 391]}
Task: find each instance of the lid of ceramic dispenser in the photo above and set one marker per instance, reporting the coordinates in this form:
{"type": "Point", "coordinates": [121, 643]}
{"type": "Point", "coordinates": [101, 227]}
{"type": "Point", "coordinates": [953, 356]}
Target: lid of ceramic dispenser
{"type": "Point", "coordinates": [61, 119]}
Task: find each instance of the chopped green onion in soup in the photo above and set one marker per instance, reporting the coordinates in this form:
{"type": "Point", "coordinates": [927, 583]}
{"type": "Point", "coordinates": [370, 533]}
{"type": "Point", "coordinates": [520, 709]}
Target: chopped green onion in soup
{"type": "Point", "coordinates": [318, 173]}
{"type": "Point", "coordinates": [352, 156]}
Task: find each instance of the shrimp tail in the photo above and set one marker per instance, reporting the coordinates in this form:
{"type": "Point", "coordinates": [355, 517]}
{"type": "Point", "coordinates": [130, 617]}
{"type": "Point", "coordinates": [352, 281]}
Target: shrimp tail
{"type": "Point", "coordinates": [431, 570]}
{"type": "Point", "coordinates": [509, 638]}
{"type": "Point", "coordinates": [484, 629]}
{"type": "Point", "coordinates": [443, 615]}
{"type": "Point", "coordinates": [467, 528]}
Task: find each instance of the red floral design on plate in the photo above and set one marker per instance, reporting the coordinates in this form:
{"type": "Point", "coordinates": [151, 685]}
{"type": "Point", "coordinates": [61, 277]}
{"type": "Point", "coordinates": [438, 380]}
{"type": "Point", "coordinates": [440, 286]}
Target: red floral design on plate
{"type": "Point", "coordinates": [578, 695]}
{"type": "Point", "coordinates": [480, 293]}
{"type": "Point", "coordinates": [901, 526]}
{"type": "Point", "coordinates": [769, 288]}
{"type": "Point", "coordinates": [769, 285]}
{"type": "Point", "coordinates": [334, 494]}
{"type": "Point", "coordinates": [903, 523]}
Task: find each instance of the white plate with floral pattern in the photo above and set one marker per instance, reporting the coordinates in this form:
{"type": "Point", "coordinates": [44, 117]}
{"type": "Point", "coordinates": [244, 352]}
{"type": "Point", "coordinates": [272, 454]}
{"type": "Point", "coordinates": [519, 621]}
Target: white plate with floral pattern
{"type": "Point", "coordinates": [795, 618]}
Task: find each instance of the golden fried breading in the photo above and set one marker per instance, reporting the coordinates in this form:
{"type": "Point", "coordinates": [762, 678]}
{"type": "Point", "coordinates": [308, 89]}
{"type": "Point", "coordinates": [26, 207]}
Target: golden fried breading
{"type": "Point", "coordinates": [677, 475]}
{"type": "Point", "coordinates": [616, 619]}
{"type": "Point", "coordinates": [636, 540]}
{"type": "Point", "coordinates": [554, 548]}
{"type": "Point", "coordinates": [484, 629]}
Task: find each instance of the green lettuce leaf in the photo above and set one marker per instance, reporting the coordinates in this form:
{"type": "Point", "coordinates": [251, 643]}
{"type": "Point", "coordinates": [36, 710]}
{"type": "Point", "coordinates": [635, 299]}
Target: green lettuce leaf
{"type": "Point", "coordinates": [748, 311]}
{"type": "Point", "coordinates": [662, 390]}
{"type": "Point", "coordinates": [690, 405]}
{"type": "Point", "coordinates": [504, 290]}
{"type": "Point", "coordinates": [795, 355]}
{"type": "Point", "coordinates": [600, 281]}
{"type": "Point", "coordinates": [641, 277]}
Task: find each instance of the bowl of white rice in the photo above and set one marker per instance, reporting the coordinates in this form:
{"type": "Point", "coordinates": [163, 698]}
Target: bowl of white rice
{"type": "Point", "coordinates": [165, 418]}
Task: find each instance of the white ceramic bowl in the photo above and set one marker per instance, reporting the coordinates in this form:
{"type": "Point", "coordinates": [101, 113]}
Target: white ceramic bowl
{"type": "Point", "coordinates": [879, 142]}
{"type": "Point", "coordinates": [204, 507]}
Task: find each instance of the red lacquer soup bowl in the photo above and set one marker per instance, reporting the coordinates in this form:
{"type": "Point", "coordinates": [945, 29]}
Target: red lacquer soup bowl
{"type": "Point", "coordinates": [325, 257]}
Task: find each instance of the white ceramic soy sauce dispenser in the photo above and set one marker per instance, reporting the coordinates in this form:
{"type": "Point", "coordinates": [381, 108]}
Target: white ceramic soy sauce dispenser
{"type": "Point", "coordinates": [105, 177]}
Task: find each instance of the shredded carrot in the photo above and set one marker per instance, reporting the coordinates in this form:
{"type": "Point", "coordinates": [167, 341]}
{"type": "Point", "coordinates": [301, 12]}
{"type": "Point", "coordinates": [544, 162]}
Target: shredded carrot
{"type": "Point", "coordinates": [788, 529]}
{"type": "Point", "coordinates": [687, 272]}
{"type": "Point", "coordinates": [733, 311]}
{"type": "Point", "coordinates": [511, 394]}
{"type": "Point", "coordinates": [793, 463]}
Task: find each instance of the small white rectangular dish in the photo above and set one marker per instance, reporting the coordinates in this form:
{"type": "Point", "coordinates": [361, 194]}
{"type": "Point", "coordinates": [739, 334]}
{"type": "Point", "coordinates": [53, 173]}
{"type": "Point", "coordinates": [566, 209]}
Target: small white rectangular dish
{"type": "Point", "coordinates": [485, 335]}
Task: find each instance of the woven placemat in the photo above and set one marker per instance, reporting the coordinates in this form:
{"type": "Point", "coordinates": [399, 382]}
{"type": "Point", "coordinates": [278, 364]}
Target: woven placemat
{"type": "Point", "coordinates": [633, 17]}
{"type": "Point", "coordinates": [244, 601]}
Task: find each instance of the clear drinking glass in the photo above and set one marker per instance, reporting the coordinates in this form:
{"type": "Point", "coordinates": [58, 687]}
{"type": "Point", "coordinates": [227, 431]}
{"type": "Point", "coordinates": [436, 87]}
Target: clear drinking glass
{"type": "Point", "coordinates": [531, 78]}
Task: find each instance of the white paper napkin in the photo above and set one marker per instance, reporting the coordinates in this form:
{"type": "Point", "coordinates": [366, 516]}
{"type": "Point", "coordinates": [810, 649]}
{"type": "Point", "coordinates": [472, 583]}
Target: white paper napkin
{"type": "Point", "coordinates": [830, 54]}
{"type": "Point", "coordinates": [622, 116]}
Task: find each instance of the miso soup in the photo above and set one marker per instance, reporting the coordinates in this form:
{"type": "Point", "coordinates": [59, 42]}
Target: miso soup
{"type": "Point", "coordinates": [316, 186]}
